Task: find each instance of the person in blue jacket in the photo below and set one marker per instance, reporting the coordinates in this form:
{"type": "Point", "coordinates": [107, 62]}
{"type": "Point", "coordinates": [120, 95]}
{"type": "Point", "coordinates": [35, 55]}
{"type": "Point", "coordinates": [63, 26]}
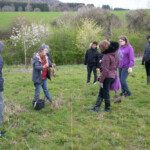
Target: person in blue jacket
{"type": "Point", "coordinates": [1, 90]}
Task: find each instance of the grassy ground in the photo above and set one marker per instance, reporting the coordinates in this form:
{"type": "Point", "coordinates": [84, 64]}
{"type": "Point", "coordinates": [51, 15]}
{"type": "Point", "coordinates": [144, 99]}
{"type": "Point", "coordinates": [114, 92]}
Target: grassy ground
{"type": "Point", "coordinates": [127, 127]}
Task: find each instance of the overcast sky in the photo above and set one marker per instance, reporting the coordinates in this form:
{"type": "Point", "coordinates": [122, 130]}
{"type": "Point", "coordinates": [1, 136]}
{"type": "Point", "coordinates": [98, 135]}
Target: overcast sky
{"type": "Point", "coordinates": [131, 4]}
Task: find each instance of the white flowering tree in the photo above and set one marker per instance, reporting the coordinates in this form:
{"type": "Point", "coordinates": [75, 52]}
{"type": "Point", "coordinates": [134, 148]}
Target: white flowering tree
{"type": "Point", "coordinates": [29, 35]}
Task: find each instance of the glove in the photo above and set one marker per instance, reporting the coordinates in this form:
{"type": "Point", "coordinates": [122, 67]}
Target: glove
{"type": "Point", "coordinates": [101, 85]}
{"type": "Point", "coordinates": [130, 70]}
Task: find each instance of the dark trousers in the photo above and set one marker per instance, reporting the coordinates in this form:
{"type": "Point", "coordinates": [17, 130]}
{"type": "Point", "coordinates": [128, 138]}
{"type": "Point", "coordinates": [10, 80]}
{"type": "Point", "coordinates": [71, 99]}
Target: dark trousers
{"type": "Point", "coordinates": [147, 67]}
{"type": "Point", "coordinates": [123, 75]}
{"type": "Point", "coordinates": [104, 92]}
{"type": "Point", "coordinates": [89, 70]}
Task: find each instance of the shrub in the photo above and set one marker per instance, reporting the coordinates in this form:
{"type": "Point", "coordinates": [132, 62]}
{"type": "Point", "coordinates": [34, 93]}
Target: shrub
{"type": "Point", "coordinates": [63, 46]}
{"type": "Point", "coordinates": [87, 33]}
{"type": "Point", "coordinates": [138, 20]}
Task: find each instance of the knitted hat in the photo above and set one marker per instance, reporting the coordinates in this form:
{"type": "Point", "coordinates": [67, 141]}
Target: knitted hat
{"type": "Point", "coordinates": [95, 43]}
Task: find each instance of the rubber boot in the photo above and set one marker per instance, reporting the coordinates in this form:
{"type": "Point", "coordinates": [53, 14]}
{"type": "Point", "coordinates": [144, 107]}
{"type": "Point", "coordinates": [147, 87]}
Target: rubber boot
{"type": "Point", "coordinates": [148, 80]}
{"type": "Point", "coordinates": [107, 106]}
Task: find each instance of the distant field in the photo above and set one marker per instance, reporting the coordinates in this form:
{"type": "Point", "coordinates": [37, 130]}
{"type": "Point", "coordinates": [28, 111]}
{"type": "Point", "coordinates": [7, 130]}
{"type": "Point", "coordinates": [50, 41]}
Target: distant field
{"type": "Point", "coordinates": [6, 17]}
{"type": "Point", "coordinates": [120, 14]}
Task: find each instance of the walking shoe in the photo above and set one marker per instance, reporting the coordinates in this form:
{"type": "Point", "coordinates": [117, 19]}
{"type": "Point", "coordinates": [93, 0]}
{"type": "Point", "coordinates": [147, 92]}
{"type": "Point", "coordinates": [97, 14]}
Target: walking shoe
{"type": "Point", "coordinates": [148, 80]}
{"type": "Point", "coordinates": [94, 83]}
{"type": "Point", "coordinates": [106, 109]}
{"type": "Point", "coordinates": [122, 94]}
{"type": "Point", "coordinates": [127, 94]}
{"type": "Point", "coordinates": [88, 82]}
{"type": "Point", "coordinates": [49, 100]}
{"type": "Point", "coordinates": [94, 109]}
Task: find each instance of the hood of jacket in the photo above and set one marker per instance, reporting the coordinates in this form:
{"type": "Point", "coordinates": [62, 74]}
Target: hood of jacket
{"type": "Point", "coordinates": [112, 48]}
{"type": "Point", "coordinates": [36, 57]}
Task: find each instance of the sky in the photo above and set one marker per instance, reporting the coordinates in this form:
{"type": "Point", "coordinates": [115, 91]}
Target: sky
{"type": "Point", "coordinates": [128, 4]}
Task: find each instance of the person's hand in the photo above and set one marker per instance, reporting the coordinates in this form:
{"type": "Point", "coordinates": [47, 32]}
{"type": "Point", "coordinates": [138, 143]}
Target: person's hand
{"type": "Point", "coordinates": [46, 66]}
{"type": "Point", "coordinates": [97, 69]}
{"type": "Point", "coordinates": [130, 70]}
{"type": "Point", "coordinates": [101, 85]}
{"type": "Point", "coordinates": [53, 65]}
{"type": "Point", "coordinates": [100, 61]}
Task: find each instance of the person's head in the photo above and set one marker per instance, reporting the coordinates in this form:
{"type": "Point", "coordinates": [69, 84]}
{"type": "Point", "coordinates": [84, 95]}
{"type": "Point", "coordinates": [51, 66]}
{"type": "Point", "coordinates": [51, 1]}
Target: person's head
{"type": "Point", "coordinates": [104, 45]}
{"type": "Point", "coordinates": [148, 38]}
{"type": "Point", "coordinates": [43, 49]}
{"type": "Point", "coordinates": [1, 46]}
{"type": "Point", "coordinates": [94, 45]}
{"type": "Point", "coordinates": [123, 41]}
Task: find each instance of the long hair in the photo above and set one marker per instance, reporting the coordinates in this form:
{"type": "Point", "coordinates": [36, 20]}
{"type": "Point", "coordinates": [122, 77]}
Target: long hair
{"type": "Point", "coordinates": [124, 38]}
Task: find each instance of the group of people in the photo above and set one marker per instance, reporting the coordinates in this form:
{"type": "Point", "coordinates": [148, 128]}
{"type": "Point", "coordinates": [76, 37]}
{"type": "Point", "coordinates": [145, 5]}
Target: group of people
{"type": "Point", "coordinates": [114, 57]}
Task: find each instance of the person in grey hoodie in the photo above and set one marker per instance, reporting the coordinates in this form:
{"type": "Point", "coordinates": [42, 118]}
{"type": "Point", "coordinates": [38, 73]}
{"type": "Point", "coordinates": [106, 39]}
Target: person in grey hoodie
{"type": "Point", "coordinates": [41, 62]}
{"type": "Point", "coordinates": [1, 90]}
{"type": "Point", "coordinates": [146, 59]}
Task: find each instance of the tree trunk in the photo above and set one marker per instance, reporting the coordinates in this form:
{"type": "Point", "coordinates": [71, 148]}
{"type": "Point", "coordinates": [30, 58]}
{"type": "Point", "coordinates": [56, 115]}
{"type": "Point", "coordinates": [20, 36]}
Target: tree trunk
{"type": "Point", "coordinates": [25, 54]}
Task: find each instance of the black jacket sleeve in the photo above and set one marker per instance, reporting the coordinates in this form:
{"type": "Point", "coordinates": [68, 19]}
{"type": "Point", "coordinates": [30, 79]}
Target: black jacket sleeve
{"type": "Point", "coordinates": [86, 57]}
{"type": "Point", "coordinates": [100, 56]}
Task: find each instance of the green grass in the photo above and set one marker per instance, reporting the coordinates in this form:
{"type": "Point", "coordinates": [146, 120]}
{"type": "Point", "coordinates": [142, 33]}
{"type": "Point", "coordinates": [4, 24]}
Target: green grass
{"type": "Point", "coordinates": [7, 17]}
{"type": "Point", "coordinates": [126, 127]}
{"type": "Point", "coordinates": [120, 14]}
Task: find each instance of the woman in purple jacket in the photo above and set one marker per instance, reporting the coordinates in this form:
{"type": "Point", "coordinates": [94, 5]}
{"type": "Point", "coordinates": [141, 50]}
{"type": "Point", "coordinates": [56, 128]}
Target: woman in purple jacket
{"type": "Point", "coordinates": [110, 63]}
{"type": "Point", "coordinates": [126, 56]}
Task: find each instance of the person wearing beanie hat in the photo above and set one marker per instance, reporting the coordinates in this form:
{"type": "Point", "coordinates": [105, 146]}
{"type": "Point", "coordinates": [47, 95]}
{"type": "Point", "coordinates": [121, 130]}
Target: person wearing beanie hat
{"type": "Point", "coordinates": [92, 62]}
{"type": "Point", "coordinates": [1, 91]}
{"type": "Point", "coordinates": [41, 62]}
{"type": "Point", "coordinates": [146, 59]}
{"type": "Point", "coordinates": [110, 63]}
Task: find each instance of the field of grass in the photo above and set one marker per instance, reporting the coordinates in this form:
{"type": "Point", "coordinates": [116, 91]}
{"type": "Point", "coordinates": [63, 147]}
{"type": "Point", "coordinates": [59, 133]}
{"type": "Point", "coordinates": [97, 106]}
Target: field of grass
{"type": "Point", "coordinates": [7, 17]}
{"type": "Point", "coordinates": [127, 127]}
{"type": "Point", "coordinates": [120, 14]}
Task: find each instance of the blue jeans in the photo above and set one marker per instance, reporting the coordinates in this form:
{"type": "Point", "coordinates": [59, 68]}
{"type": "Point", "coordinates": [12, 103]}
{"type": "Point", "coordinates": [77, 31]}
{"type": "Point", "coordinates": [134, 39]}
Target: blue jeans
{"type": "Point", "coordinates": [123, 75]}
{"type": "Point", "coordinates": [38, 90]}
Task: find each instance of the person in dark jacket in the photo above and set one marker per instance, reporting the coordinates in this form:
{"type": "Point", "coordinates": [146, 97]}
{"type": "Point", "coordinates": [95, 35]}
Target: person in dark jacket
{"type": "Point", "coordinates": [40, 68]}
{"type": "Point", "coordinates": [110, 63]}
{"type": "Point", "coordinates": [92, 62]}
{"type": "Point", "coordinates": [1, 90]}
{"type": "Point", "coordinates": [146, 59]}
